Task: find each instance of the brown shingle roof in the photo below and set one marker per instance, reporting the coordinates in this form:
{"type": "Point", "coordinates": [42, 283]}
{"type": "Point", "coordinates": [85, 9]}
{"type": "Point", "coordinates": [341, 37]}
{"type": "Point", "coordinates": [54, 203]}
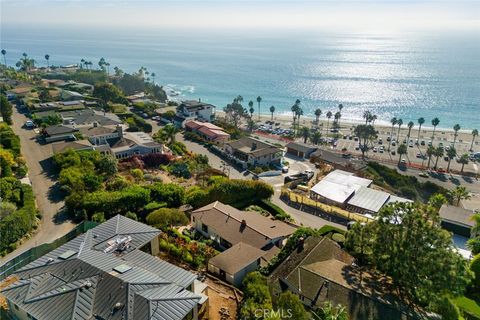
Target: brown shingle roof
{"type": "Point", "coordinates": [236, 258]}
{"type": "Point", "coordinates": [227, 223]}
{"type": "Point", "coordinates": [254, 147]}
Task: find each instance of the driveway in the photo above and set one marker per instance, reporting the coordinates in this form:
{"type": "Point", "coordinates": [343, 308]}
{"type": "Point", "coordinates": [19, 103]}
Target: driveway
{"type": "Point", "coordinates": [52, 225]}
{"type": "Point", "coordinates": [214, 160]}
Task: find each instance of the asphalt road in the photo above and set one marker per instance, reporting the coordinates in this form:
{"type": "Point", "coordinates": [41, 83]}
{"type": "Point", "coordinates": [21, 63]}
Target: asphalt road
{"type": "Point", "coordinates": [52, 225]}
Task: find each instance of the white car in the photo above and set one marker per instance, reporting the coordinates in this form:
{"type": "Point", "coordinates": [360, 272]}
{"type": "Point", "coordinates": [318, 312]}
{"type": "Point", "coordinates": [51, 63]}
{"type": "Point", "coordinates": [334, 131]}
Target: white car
{"type": "Point", "coordinates": [29, 124]}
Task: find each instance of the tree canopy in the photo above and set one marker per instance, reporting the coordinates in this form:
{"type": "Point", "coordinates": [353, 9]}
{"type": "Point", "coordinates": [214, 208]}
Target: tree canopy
{"type": "Point", "coordinates": [407, 244]}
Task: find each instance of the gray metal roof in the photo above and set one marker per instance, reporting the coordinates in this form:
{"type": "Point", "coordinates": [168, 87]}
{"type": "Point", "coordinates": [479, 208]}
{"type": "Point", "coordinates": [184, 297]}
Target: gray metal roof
{"type": "Point", "coordinates": [369, 199]}
{"type": "Point", "coordinates": [86, 285]}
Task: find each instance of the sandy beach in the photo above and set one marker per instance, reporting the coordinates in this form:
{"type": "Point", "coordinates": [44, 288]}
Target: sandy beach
{"type": "Point", "coordinates": [347, 126]}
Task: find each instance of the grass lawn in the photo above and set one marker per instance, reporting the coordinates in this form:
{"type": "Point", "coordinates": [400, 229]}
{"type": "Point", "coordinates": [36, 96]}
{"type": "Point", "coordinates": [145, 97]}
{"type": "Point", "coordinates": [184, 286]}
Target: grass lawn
{"type": "Point", "coordinates": [469, 306]}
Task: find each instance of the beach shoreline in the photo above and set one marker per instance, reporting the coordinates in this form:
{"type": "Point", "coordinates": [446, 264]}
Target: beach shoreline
{"type": "Point", "coordinates": [347, 127]}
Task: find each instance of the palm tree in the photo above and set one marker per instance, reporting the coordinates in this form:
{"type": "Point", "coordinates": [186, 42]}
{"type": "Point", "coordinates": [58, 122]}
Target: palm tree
{"type": "Point", "coordinates": [239, 99]}
{"type": "Point", "coordinates": [393, 121]}
{"type": "Point", "coordinates": [430, 153]}
{"type": "Point", "coordinates": [458, 194]}
{"type": "Point", "coordinates": [476, 228]}
{"type": "Point", "coordinates": [367, 116]}
{"type": "Point", "coordinates": [272, 110]}
{"type": "Point", "coordinates": [305, 132]}
{"type": "Point", "coordinates": [451, 154]}
{"type": "Point", "coordinates": [374, 118]}
{"type": "Point", "coordinates": [474, 134]}
{"type": "Point", "coordinates": [316, 137]}
{"type": "Point", "coordinates": [259, 99]}
{"type": "Point", "coordinates": [4, 53]}
{"type": "Point", "coordinates": [47, 57]}
{"type": "Point", "coordinates": [336, 118]}
{"type": "Point", "coordinates": [108, 67]}
{"type": "Point", "coordinates": [170, 130]}
{"type": "Point", "coordinates": [340, 107]}
{"type": "Point", "coordinates": [399, 123]}
{"type": "Point", "coordinates": [410, 126]}
{"type": "Point", "coordinates": [456, 128]}
{"type": "Point", "coordinates": [435, 123]}
{"type": "Point", "coordinates": [294, 109]}
{"type": "Point", "coordinates": [318, 113]}
{"type": "Point", "coordinates": [251, 110]}
{"type": "Point", "coordinates": [401, 150]}
{"type": "Point", "coordinates": [438, 153]}
{"type": "Point", "coordinates": [299, 113]}
{"type": "Point", "coordinates": [81, 63]}
{"type": "Point", "coordinates": [329, 115]}
{"type": "Point", "coordinates": [153, 77]}
{"type": "Point", "coordinates": [463, 160]}
{"type": "Point", "coordinates": [420, 121]}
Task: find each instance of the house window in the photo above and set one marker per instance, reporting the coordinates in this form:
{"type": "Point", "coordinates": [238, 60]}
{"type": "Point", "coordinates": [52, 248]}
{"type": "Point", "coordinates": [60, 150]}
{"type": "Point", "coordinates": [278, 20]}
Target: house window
{"type": "Point", "coordinates": [204, 228]}
{"type": "Point", "coordinates": [224, 243]}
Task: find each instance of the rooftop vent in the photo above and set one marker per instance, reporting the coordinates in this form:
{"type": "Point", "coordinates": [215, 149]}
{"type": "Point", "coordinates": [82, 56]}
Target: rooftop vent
{"type": "Point", "coordinates": [67, 254]}
{"type": "Point", "coordinates": [122, 268]}
{"type": "Point", "coordinates": [119, 244]}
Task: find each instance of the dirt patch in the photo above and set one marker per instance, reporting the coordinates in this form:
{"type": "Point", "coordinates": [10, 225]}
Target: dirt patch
{"type": "Point", "coordinates": [222, 301]}
{"type": "Point", "coordinates": [5, 283]}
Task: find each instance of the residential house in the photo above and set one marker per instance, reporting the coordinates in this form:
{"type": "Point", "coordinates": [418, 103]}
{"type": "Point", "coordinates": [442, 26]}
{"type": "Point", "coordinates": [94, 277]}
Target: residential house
{"type": "Point", "coordinates": [58, 106]}
{"type": "Point", "coordinates": [68, 95]}
{"type": "Point", "coordinates": [241, 234]}
{"type": "Point", "coordinates": [114, 140]}
{"type": "Point", "coordinates": [207, 131]}
{"type": "Point", "coordinates": [59, 132]}
{"type": "Point", "coordinates": [300, 150]}
{"type": "Point", "coordinates": [345, 190]}
{"type": "Point", "coordinates": [319, 271]}
{"type": "Point", "coordinates": [253, 152]}
{"type": "Point", "coordinates": [457, 220]}
{"type": "Point", "coordinates": [193, 110]}
{"type": "Point", "coordinates": [79, 145]}
{"type": "Point", "coordinates": [235, 263]}
{"type": "Point", "coordinates": [105, 273]}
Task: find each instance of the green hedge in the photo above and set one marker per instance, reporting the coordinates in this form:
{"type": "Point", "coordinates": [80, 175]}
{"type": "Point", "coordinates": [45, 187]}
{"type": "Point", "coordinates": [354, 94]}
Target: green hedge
{"type": "Point", "coordinates": [277, 212]}
{"type": "Point", "coordinates": [18, 224]}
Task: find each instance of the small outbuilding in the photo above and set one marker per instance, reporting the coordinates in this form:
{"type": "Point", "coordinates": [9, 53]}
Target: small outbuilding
{"type": "Point", "coordinates": [457, 220]}
{"type": "Point", "coordinates": [235, 263]}
{"type": "Point", "coordinates": [300, 150]}
{"type": "Point", "coordinates": [366, 200]}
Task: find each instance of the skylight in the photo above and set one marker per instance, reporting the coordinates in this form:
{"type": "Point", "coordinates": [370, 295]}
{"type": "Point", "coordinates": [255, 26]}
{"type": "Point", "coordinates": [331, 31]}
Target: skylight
{"type": "Point", "coordinates": [122, 268]}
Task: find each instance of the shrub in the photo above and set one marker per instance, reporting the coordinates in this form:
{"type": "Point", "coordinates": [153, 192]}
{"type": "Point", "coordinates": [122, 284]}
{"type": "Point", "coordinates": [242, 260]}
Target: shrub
{"type": "Point", "coordinates": [171, 194]}
{"type": "Point", "coordinates": [19, 223]}
{"type": "Point", "coordinates": [230, 191]}
{"type": "Point", "coordinates": [475, 268]}
{"type": "Point", "coordinates": [277, 212]}
{"type": "Point", "coordinates": [338, 237]}
{"type": "Point", "coordinates": [165, 217]}
{"type": "Point", "coordinates": [131, 215]}
{"type": "Point", "coordinates": [137, 174]}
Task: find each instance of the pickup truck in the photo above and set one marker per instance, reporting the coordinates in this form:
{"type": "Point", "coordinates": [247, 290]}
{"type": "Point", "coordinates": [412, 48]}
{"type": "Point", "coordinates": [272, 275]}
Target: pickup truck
{"type": "Point", "coordinates": [305, 176]}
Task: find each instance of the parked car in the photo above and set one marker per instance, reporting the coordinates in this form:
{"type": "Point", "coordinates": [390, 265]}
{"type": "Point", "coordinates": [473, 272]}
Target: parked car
{"type": "Point", "coordinates": [422, 142]}
{"type": "Point", "coordinates": [380, 141]}
{"type": "Point", "coordinates": [374, 149]}
{"type": "Point", "coordinates": [29, 124]}
{"type": "Point", "coordinates": [423, 174]}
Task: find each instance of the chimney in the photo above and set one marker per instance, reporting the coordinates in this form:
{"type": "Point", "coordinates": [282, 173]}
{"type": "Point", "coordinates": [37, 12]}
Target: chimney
{"type": "Point", "coordinates": [254, 146]}
{"type": "Point", "coordinates": [244, 223]}
{"type": "Point", "coordinates": [120, 130]}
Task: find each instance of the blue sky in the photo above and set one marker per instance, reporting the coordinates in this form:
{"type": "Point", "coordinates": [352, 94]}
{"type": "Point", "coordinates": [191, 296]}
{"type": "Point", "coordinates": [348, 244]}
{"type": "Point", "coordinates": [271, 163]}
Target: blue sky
{"type": "Point", "coordinates": [353, 14]}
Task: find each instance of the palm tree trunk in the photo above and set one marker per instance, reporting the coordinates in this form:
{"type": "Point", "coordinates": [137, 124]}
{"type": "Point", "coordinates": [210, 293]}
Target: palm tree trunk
{"type": "Point", "coordinates": [448, 166]}
{"type": "Point", "coordinates": [463, 165]}
{"type": "Point", "coordinates": [419, 129]}
{"type": "Point", "coordinates": [272, 117]}
{"type": "Point", "coordinates": [473, 140]}
{"type": "Point", "coordinates": [436, 163]}
{"type": "Point", "coordinates": [433, 133]}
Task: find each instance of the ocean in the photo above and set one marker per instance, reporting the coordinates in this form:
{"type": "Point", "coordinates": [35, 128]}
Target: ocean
{"type": "Point", "coordinates": [407, 75]}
